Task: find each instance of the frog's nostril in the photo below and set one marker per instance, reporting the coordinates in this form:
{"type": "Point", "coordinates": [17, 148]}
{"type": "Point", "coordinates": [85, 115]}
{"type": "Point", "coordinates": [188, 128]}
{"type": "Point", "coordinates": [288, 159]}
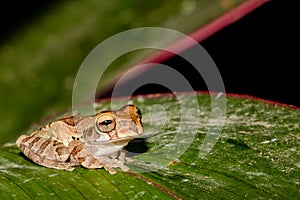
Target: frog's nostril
{"type": "Point", "coordinates": [138, 112]}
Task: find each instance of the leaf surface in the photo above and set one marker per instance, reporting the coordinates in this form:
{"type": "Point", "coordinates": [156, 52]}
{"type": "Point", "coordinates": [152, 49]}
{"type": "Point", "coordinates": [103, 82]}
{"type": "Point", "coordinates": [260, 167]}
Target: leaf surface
{"type": "Point", "coordinates": [256, 156]}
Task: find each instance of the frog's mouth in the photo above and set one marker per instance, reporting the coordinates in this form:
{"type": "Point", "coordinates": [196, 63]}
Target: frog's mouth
{"type": "Point", "coordinates": [104, 148]}
{"type": "Point", "coordinates": [117, 141]}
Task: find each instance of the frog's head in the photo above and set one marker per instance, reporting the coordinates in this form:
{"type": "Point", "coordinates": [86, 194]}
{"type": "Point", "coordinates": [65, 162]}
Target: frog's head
{"type": "Point", "coordinates": [123, 123]}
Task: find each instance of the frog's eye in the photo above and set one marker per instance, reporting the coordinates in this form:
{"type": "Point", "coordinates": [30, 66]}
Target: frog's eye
{"type": "Point", "coordinates": [105, 123]}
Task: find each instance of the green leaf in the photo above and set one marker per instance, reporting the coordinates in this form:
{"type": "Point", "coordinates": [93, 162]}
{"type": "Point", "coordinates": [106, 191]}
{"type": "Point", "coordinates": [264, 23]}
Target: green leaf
{"type": "Point", "coordinates": [256, 156]}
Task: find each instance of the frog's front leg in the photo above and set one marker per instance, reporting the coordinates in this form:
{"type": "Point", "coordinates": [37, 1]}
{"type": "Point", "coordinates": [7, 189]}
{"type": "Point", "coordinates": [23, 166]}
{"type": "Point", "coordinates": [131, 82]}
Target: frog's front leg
{"type": "Point", "coordinates": [114, 161]}
{"type": "Point", "coordinates": [82, 156]}
{"type": "Point", "coordinates": [108, 162]}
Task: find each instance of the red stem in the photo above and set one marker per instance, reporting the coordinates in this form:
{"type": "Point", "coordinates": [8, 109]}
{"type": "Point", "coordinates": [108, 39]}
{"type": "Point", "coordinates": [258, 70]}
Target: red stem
{"type": "Point", "coordinates": [199, 35]}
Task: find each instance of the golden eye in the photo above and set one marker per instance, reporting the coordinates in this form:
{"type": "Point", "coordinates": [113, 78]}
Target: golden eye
{"type": "Point", "coordinates": [105, 123]}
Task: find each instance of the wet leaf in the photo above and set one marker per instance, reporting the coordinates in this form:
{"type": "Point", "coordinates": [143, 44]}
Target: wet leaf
{"type": "Point", "coordinates": [256, 156]}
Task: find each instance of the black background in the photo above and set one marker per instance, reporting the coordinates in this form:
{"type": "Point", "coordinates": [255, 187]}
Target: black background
{"type": "Point", "coordinates": [257, 55]}
{"type": "Point", "coordinates": [15, 14]}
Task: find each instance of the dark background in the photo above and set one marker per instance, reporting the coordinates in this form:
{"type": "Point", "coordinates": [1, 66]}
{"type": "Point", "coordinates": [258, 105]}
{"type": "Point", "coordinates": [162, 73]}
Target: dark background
{"type": "Point", "coordinates": [257, 55]}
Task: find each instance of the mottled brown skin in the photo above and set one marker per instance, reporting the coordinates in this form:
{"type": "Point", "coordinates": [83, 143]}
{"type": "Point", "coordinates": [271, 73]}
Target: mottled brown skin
{"type": "Point", "coordinates": [92, 142]}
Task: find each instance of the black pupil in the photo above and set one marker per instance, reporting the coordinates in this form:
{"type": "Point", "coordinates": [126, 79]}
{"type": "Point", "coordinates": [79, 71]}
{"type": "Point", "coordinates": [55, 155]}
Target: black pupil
{"type": "Point", "coordinates": [106, 122]}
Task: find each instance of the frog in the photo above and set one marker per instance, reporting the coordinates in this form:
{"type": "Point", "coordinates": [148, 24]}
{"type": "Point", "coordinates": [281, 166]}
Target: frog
{"type": "Point", "coordinates": [95, 141]}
